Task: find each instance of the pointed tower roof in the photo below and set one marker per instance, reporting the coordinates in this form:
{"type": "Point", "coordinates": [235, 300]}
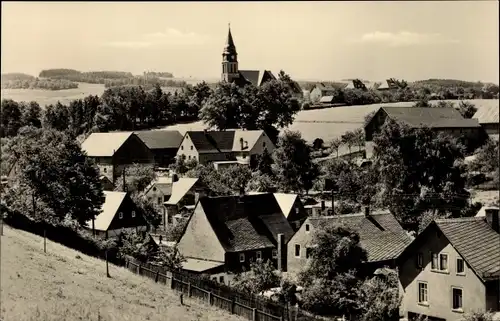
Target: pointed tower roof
{"type": "Point", "coordinates": [229, 47]}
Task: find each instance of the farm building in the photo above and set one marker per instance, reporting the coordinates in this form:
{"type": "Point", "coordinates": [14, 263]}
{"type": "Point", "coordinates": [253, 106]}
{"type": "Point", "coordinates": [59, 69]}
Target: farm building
{"type": "Point", "coordinates": [163, 143]}
{"type": "Point", "coordinates": [488, 117]}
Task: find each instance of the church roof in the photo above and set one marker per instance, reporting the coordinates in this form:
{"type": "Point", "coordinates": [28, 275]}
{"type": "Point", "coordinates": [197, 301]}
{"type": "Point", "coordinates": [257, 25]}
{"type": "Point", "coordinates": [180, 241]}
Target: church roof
{"type": "Point", "coordinates": [229, 46]}
{"type": "Point", "coordinates": [257, 77]}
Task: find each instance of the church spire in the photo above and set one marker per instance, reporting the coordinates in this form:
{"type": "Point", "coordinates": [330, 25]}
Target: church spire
{"type": "Point", "coordinates": [229, 47]}
{"type": "Point", "coordinates": [229, 59]}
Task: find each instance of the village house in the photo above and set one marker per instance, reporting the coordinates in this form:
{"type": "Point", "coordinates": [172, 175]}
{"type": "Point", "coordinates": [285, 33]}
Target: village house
{"type": "Point", "coordinates": [118, 214]}
{"type": "Point", "coordinates": [113, 152]}
{"type": "Point", "coordinates": [452, 268]}
{"type": "Point", "coordinates": [163, 143]}
{"type": "Point", "coordinates": [230, 147]}
{"type": "Point", "coordinates": [488, 117]}
{"type": "Point", "coordinates": [446, 120]}
{"type": "Point", "coordinates": [172, 195]}
{"type": "Point", "coordinates": [107, 185]}
{"type": "Point", "coordinates": [225, 234]}
{"type": "Point", "coordinates": [380, 234]}
{"type": "Point", "coordinates": [322, 90]}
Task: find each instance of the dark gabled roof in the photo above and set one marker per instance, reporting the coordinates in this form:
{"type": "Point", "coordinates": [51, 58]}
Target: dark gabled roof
{"type": "Point", "coordinates": [160, 139]}
{"type": "Point", "coordinates": [432, 117]}
{"type": "Point", "coordinates": [250, 222]}
{"type": "Point", "coordinates": [212, 141]}
{"type": "Point", "coordinates": [477, 243]}
{"type": "Point", "coordinates": [256, 77]}
{"type": "Point", "coordinates": [380, 234]}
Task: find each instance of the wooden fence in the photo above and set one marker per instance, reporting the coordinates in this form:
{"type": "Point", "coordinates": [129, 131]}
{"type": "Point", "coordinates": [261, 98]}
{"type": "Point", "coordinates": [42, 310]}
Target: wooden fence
{"type": "Point", "coordinates": [246, 306]}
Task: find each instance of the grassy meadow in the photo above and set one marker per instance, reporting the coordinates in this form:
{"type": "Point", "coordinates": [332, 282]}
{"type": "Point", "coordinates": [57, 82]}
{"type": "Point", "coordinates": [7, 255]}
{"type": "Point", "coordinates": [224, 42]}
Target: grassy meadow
{"type": "Point", "coordinates": [67, 285]}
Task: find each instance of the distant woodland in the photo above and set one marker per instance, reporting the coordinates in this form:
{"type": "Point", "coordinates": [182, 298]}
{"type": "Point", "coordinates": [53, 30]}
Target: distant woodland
{"type": "Point", "coordinates": [113, 78]}
{"type": "Point", "coordinates": [24, 81]}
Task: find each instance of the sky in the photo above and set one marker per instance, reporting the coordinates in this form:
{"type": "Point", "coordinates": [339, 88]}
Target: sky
{"type": "Point", "coordinates": [310, 40]}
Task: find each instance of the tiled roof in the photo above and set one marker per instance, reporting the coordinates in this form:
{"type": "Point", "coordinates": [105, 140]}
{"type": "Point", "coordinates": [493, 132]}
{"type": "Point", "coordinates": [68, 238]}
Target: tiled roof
{"type": "Point", "coordinates": [432, 117]}
{"type": "Point", "coordinates": [380, 234]}
{"type": "Point", "coordinates": [160, 139]}
{"type": "Point", "coordinates": [180, 188]}
{"type": "Point", "coordinates": [255, 77]}
{"type": "Point", "coordinates": [199, 265]}
{"type": "Point", "coordinates": [112, 203]}
{"type": "Point", "coordinates": [488, 114]}
{"type": "Point", "coordinates": [476, 242]}
{"type": "Point", "coordinates": [248, 223]}
{"type": "Point", "coordinates": [104, 144]}
{"type": "Point", "coordinates": [223, 141]}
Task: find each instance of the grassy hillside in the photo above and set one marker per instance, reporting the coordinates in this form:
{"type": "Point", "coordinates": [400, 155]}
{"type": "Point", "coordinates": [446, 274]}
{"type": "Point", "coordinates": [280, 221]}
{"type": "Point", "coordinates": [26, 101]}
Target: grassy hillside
{"type": "Point", "coordinates": [67, 285]}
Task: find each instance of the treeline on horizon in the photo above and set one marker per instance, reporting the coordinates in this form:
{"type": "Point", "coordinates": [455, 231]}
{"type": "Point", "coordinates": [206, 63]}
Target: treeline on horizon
{"type": "Point", "coordinates": [25, 81]}
{"type": "Point", "coordinates": [113, 78]}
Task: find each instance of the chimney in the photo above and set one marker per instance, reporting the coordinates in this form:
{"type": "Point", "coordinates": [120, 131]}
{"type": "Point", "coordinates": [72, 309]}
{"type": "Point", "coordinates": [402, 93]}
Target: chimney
{"type": "Point", "coordinates": [281, 253]}
{"type": "Point", "coordinates": [493, 217]}
{"type": "Point", "coordinates": [242, 143]}
{"type": "Point", "coordinates": [175, 178]}
{"type": "Point", "coordinates": [366, 210]}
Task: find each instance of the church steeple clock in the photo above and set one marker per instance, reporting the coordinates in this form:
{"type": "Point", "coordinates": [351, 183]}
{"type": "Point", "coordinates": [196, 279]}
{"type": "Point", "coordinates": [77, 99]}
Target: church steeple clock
{"type": "Point", "coordinates": [229, 60]}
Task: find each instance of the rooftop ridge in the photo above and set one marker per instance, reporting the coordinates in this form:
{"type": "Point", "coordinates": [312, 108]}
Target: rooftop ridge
{"type": "Point", "coordinates": [459, 219]}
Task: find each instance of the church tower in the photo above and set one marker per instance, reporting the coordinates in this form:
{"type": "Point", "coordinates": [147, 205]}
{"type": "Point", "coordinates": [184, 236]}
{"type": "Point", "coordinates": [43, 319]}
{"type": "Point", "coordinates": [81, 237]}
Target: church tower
{"type": "Point", "coordinates": [230, 60]}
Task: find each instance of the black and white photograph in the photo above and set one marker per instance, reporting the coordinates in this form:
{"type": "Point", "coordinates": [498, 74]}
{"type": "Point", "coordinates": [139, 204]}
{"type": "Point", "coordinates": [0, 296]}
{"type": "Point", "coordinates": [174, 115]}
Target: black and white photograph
{"type": "Point", "coordinates": [250, 160]}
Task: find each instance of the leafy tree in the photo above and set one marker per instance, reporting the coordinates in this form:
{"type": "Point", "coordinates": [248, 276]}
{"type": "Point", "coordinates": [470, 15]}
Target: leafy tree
{"type": "Point", "coordinates": [54, 167]}
{"type": "Point", "coordinates": [137, 178]}
{"type": "Point", "coordinates": [349, 139]}
{"type": "Point", "coordinates": [444, 104]}
{"type": "Point", "coordinates": [423, 102]}
{"type": "Point", "coordinates": [11, 118]}
{"type": "Point", "coordinates": [56, 117]}
{"type": "Point", "coordinates": [467, 109]}
{"type": "Point", "coordinates": [235, 177]}
{"type": "Point", "coordinates": [487, 158]}
{"type": "Point", "coordinates": [335, 145]}
{"type": "Point", "coordinates": [137, 245]}
{"type": "Point", "coordinates": [31, 114]}
{"type": "Point", "coordinates": [318, 144]}
{"type": "Point", "coordinates": [264, 163]}
{"type": "Point", "coordinates": [261, 276]}
{"type": "Point", "coordinates": [379, 298]}
{"type": "Point", "coordinates": [419, 170]}
{"type": "Point", "coordinates": [358, 137]}
{"type": "Point", "coordinates": [173, 233]}
{"type": "Point", "coordinates": [148, 209]}
{"type": "Point", "coordinates": [181, 166]}
{"type": "Point", "coordinates": [212, 179]}
{"type": "Point", "coordinates": [260, 182]}
{"type": "Point", "coordinates": [168, 257]}
{"type": "Point", "coordinates": [293, 165]}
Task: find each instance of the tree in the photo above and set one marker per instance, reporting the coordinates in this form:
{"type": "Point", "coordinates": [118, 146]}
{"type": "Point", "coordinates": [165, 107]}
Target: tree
{"type": "Point", "coordinates": [11, 118]}
{"type": "Point", "coordinates": [262, 276]}
{"type": "Point", "coordinates": [211, 178]}
{"type": "Point", "coordinates": [358, 137]}
{"type": "Point", "coordinates": [318, 144]}
{"type": "Point", "coordinates": [260, 182]}
{"type": "Point", "coordinates": [331, 279]}
{"type": "Point", "coordinates": [293, 165]}
{"type": "Point", "coordinates": [379, 298]}
{"type": "Point", "coordinates": [31, 115]}
{"type": "Point", "coordinates": [148, 209]}
{"type": "Point", "coordinates": [235, 177]}
{"type": "Point", "coordinates": [423, 102]}
{"type": "Point", "coordinates": [444, 104]}
{"type": "Point", "coordinates": [467, 109]}
{"type": "Point", "coordinates": [487, 158]}
{"type": "Point", "coordinates": [419, 170]}
{"type": "Point", "coordinates": [335, 145]}
{"type": "Point", "coordinates": [56, 117]}
{"type": "Point", "coordinates": [181, 166]}
{"type": "Point", "coordinates": [59, 175]}
{"type": "Point", "coordinates": [348, 139]}
{"type": "Point", "coordinates": [137, 177]}
{"type": "Point", "coordinates": [264, 163]}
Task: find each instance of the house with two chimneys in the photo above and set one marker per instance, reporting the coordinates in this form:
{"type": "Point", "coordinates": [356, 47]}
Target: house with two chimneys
{"type": "Point", "coordinates": [452, 268]}
{"type": "Point", "coordinates": [381, 236]}
{"type": "Point", "coordinates": [224, 148]}
{"type": "Point", "coordinates": [225, 234]}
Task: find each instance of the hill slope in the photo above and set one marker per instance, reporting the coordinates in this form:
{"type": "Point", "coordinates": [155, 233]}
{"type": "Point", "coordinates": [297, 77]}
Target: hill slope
{"type": "Point", "coordinates": [67, 285]}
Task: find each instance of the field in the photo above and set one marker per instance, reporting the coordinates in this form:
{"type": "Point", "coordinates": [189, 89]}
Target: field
{"type": "Point", "coordinates": [67, 285]}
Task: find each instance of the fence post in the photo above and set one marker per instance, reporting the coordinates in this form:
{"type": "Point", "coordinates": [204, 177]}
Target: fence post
{"type": "Point", "coordinates": [233, 303]}
{"type": "Point", "coordinates": [126, 263]}
{"type": "Point", "coordinates": [157, 275]}
{"type": "Point", "coordinates": [139, 268]}
{"type": "Point", "coordinates": [254, 314]}
{"type": "Point", "coordinates": [189, 289]}
{"type": "Point", "coordinates": [172, 282]}
{"type": "Point", "coordinates": [210, 297]}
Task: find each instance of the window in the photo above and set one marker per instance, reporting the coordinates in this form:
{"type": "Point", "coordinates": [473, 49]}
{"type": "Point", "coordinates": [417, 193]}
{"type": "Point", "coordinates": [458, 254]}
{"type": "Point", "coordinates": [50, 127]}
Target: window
{"type": "Point", "coordinates": [443, 262]}
{"type": "Point", "coordinates": [191, 147]}
{"type": "Point", "coordinates": [159, 200]}
{"type": "Point", "coordinates": [434, 263]}
{"type": "Point", "coordinates": [457, 299]}
{"type": "Point", "coordinates": [189, 157]}
{"type": "Point", "coordinates": [242, 257]}
{"type": "Point", "coordinates": [275, 253]}
{"type": "Point", "coordinates": [307, 227]}
{"type": "Point", "coordinates": [182, 147]}
{"type": "Point", "coordinates": [420, 260]}
{"type": "Point", "coordinates": [154, 189]}
{"type": "Point", "coordinates": [422, 293]}
{"type": "Point", "coordinates": [105, 170]}
{"type": "Point", "coordinates": [120, 215]}
{"type": "Point", "coordinates": [258, 255]}
{"type": "Point", "coordinates": [133, 213]}
{"type": "Point", "coordinates": [264, 144]}
{"type": "Point", "coordinates": [297, 250]}
{"type": "Point", "coordinates": [221, 279]}
{"type": "Point", "coordinates": [460, 266]}
{"type": "Point", "coordinates": [308, 252]}
{"type": "Point", "coordinates": [244, 156]}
